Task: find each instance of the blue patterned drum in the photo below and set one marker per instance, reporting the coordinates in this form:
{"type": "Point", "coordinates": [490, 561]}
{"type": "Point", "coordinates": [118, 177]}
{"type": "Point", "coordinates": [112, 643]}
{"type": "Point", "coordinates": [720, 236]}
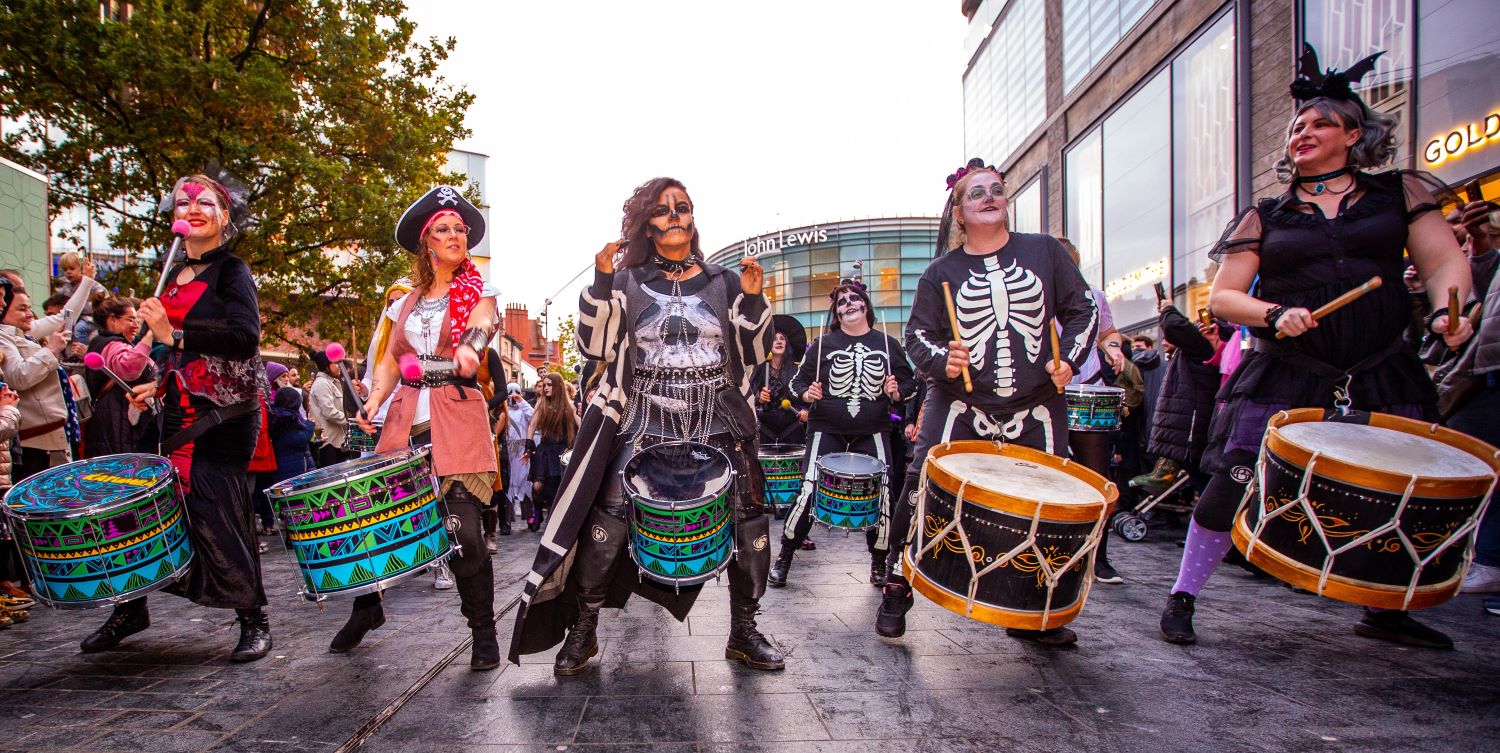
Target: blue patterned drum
{"type": "Point", "coordinates": [362, 525]}
{"type": "Point", "coordinates": [782, 466]}
{"type": "Point", "coordinates": [1094, 407]}
{"type": "Point", "coordinates": [850, 486]}
{"type": "Point", "coordinates": [680, 532]}
{"type": "Point", "coordinates": [100, 531]}
{"type": "Point", "coordinates": [359, 441]}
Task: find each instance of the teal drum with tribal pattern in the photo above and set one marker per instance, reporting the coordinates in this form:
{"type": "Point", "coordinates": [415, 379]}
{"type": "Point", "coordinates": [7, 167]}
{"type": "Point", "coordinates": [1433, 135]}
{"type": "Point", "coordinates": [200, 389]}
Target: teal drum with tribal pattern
{"type": "Point", "coordinates": [100, 531]}
{"type": "Point", "coordinates": [782, 466]}
{"type": "Point", "coordinates": [850, 486]}
{"type": "Point", "coordinates": [680, 532]}
{"type": "Point", "coordinates": [362, 525]}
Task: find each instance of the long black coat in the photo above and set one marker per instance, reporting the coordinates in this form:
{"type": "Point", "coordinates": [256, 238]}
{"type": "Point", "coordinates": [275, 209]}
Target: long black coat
{"type": "Point", "coordinates": [1179, 428]}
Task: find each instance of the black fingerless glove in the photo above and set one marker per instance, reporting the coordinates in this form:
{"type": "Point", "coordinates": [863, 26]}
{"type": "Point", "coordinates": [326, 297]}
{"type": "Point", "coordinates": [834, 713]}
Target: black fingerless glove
{"type": "Point", "coordinates": [531, 445]}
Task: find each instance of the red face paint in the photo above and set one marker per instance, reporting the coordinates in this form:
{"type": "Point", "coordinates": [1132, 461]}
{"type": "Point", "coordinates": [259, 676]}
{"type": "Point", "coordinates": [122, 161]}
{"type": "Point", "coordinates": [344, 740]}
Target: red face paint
{"type": "Point", "coordinates": [192, 190]}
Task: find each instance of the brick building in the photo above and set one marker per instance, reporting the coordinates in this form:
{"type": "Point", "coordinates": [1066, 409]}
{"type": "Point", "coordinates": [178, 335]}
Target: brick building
{"type": "Point", "coordinates": [1138, 128]}
{"type": "Point", "coordinates": [531, 334]}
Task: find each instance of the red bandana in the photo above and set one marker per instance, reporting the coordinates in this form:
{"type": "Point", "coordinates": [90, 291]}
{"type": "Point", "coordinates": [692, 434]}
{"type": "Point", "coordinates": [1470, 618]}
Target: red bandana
{"type": "Point", "coordinates": [463, 297]}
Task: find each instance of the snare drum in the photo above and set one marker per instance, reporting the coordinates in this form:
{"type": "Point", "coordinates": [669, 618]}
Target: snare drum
{"type": "Point", "coordinates": [680, 512]}
{"type": "Point", "coordinates": [1094, 407]}
{"type": "Point", "coordinates": [362, 525]}
{"type": "Point", "coordinates": [850, 486]}
{"type": "Point", "coordinates": [359, 441]}
{"type": "Point", "coordinates": [101, 531]}
{"type": "Point", "coordinates": [1006, 534]}
{"type": "Point", "coordinates": [782, 466]}
{"type": "Point", "coordinates": [1380, 515]}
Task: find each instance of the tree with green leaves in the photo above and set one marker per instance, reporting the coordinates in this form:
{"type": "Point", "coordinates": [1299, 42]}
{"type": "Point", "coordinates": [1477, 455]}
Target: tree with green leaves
{"type": "Point", "coordinates": [329, 111]}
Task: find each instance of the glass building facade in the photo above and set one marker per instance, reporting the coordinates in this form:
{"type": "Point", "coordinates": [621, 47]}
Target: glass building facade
{"type": "Point", "coordinates": [804, 264]}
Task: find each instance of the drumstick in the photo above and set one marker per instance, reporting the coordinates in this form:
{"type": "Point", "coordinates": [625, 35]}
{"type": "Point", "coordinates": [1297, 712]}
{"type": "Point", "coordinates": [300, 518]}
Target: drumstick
{"type": "Point", "coordinates": [1340, 302]}
{"type": "Point", "coordinates": [1056, 350]}
{"type": "Point", "coordinates": [953, 325]}
{"type": "Point", "coordinates": [1453, 312]}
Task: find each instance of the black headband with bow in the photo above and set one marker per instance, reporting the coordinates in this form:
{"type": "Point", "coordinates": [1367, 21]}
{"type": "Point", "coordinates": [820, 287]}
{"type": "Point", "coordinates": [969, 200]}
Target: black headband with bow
{"type": "Point", "coordinates": [1313, 82]}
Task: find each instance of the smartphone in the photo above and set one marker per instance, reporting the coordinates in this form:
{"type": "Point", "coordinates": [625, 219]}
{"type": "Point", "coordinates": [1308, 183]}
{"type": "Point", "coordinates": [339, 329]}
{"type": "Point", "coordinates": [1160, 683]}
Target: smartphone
{"type": "Point", "coordinates": [1472, 191]}
{"type": "Point", "coordinates": [1204, 318]}
{"type": "Point", "coordinates": [1161, 292]}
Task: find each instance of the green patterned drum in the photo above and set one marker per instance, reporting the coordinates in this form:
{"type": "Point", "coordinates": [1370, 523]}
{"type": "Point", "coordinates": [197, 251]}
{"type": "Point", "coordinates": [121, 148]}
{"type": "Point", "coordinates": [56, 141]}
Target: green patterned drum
{"type": "Point", "coordinates": [362, 525]}
{"type": "Point", "coordinates": [782, 466]}
{"type": "Point", "coordinates": [680, 515]}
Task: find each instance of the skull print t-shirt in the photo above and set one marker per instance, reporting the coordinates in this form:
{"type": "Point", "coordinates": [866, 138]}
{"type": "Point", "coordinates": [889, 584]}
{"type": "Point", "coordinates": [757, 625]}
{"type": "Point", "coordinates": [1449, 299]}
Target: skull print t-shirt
{"type": "Point", "coordinates": [852, 371]}
{"type": "Point", "coordinates": [1004, 302]}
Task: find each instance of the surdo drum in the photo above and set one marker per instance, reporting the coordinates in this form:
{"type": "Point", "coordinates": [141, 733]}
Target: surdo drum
{"type": "Point", "coordinates": [364, 524]}
{"type": "Point", "coordinates": [681, 531]}
{"type": "Point", "coordinates": [850, 486]}
{"type": "Point", "coordinates": [1006, 534]}
{"type": "Point", "coordinates": [782, 466]}
{"type": "Point", "coordinates": [1380, 515]}
{"type": "Point", "coordinates": [100, 531]}
{"type": "Point", "coordinates": [1094, 407]}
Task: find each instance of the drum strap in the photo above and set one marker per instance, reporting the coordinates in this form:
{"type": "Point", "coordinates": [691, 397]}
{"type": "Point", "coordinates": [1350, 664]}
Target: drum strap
{"type": "Point", "coordinates": [1330, 375]}
{"type": "Point", "coordinates": [207, 421]}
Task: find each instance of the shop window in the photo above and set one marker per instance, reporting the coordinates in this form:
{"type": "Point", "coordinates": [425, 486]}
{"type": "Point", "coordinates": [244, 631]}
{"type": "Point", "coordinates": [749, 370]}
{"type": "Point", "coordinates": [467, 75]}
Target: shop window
{"type": "Point", "coordinates": [1203, 159]}
{"type": "Point", "coordinates": [1458, 89]}
{"type": "Point", "coordinates": [1005, 87]}
{"type": "Point", "coordinates": [1345, 31]}
{"type": "Point", "coordinates": [1026, 208]}
{"type": "Point", "coordinates": [1090, 30]}
{"type": "Point", "coordinates": [1083, 207]}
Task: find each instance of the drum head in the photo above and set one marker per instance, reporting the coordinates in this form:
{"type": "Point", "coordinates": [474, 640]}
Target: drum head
{"type": "Point", "coordinates": [851, 464]}
{"type": "Point", "coordinates": [1101, 390]}
{"type": "Point", "coordinates": [782, 450]}
{"type": "Point", "coordinates": [338, 473]}
{"type": "Point", "coordinates": [88, 483]}
{"type": "Point", "coordinates": [676, 472]}
{"type": "Point", "coordinates": [1385, 449]}
{"type": "Point", "coordinates": [1016, 477]}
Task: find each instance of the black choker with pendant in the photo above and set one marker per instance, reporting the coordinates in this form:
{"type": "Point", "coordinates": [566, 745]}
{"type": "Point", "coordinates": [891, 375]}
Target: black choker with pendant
{"type": "Point", "coordinates": [672, 266]}
{"type": "Point", "coordinates": [1320, 182]}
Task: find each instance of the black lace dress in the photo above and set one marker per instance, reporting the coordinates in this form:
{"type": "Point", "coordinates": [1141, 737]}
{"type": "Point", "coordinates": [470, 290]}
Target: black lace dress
{"type": "Point", "coordinates": [1307, 260]}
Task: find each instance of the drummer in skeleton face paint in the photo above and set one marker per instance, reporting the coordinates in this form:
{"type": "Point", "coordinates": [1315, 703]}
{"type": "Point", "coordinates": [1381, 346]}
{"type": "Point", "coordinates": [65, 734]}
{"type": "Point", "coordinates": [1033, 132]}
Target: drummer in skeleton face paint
{"type": "Point", "coordinates": [676, 338]}
{"type": "Point", "coordinates": [851, 377]}
{"type": "Point", "coordinates": [1007, 288]}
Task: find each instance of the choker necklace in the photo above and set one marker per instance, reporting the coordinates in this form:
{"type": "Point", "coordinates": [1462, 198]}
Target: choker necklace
{"type": "Point", "coordinates": [670, 265]}
{"type": "Point", "coordinates": [1320, 182]}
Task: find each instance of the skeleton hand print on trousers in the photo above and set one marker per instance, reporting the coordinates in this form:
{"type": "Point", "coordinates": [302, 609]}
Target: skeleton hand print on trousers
{"type": "Point", "coordinates": [993, 303]}
{"type": "Point", "coordinates": [857, 374]}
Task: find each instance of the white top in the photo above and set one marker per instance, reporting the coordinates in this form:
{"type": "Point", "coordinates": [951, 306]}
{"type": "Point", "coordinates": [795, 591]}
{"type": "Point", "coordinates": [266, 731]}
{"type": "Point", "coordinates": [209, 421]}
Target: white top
{"type": "Point", "coordinates": [1019, 478]}
{"type": "Point", "coordinates": [425, 341]}
{"type": "Point", "coordinates": [1385, 449]}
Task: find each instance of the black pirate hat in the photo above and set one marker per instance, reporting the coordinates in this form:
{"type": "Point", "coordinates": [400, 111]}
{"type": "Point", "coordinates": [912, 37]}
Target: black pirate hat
{"type": "Point", "coordinates": [414, 220]}
{"type": "Point", "coordinates": [793, 331]}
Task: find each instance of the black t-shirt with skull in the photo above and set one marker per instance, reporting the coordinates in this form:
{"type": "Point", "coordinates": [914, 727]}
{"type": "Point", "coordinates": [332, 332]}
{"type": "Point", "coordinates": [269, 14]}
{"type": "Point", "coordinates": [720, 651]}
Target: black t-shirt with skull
{"type": "Point", "coordinates": [1004, 303]}
{"type": "Point", "coordinates": [853, 371]}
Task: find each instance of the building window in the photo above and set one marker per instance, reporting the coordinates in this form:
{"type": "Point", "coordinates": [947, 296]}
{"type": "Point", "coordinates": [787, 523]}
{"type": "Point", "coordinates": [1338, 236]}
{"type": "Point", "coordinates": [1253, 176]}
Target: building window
{"type": "Point", "coordinates": [1090, 30]}
{"type": "Point", "coordinates": [1005, 86]}
{"type": "Point", "coordinates": [1344, 31]}
{"type": "Point", "coordinates": [1203, 169]}
{"type": "Point", "coordinates": [1458, 90]}
{"type": "Point", "coordinates": [1149, 191]}
{"type": "Point", "coordinates": [1026, 208]}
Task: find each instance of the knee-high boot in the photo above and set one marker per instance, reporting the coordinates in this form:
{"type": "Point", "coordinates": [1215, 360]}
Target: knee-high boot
{"type": "Point", "coordinates": [597, 557]}
{"type": "Point", "coordinates": [476, 594]}
{"type": "Point", "coordinates": [747, 583]}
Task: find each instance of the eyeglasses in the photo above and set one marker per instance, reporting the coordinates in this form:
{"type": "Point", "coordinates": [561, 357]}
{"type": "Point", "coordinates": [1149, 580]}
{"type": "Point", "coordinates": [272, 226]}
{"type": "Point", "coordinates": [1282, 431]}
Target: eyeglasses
{"type": "Point", "coordinates": [977, 193]}
{"type": "Point", "coordinates": [459, 230]}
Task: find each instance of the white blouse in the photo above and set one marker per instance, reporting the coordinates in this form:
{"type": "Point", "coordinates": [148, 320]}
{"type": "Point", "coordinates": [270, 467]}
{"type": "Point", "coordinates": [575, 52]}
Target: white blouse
{"type": "Point", "coordinates": [424, 338]}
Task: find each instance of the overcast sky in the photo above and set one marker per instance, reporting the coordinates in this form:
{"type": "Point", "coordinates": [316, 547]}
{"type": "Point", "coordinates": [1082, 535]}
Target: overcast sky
{"type": "Point", "coordinates": [775, 113]}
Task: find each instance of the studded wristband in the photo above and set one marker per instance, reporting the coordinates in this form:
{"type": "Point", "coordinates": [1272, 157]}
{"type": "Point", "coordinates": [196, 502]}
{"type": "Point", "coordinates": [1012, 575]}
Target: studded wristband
{"type": "Point", "coordinates": [1274, 314]}
{"type": "Point", "coordinates": [475, 338]}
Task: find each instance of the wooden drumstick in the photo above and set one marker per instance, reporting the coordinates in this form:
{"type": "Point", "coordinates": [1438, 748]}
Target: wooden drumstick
{"type": "Point", "coordinates": [953, 325]}
{"type": "Point", "coordinates": [1056, 350]}
{"type": "Point", "coordinates": [1453, 312]}
{"type": "Point", "coordinates": [1340, 302]}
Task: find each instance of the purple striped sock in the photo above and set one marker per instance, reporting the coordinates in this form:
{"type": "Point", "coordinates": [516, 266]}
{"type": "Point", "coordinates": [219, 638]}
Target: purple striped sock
{"type": "Point", "coordinates": [1200, 555]}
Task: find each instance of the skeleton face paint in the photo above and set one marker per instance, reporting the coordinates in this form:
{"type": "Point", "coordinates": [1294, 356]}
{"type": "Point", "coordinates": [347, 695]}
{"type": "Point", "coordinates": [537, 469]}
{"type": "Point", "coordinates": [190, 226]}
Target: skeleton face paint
{"type": "Point", "coordinates": [850, 307]}
{"type": "Point", "coordinates": [983, 201]}
{"type": "Point", "coordinates": [671, 223]}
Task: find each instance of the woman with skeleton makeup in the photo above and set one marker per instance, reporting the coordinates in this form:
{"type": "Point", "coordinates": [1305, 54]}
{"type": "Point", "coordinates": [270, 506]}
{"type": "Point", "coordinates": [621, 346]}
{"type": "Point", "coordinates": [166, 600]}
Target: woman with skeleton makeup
{"type": "Point", "coordinates": [1007, 288]}
{"type": "Point", "coordinates": [211, 382]}
{"type": "Point", "coordinates": [676, 338]}
{"type": "Point", "coordinates": [853, 377]}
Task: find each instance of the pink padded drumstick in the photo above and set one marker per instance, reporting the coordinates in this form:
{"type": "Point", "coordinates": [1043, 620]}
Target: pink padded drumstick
{"type": "Point", "coordinates": [180, 229]}
{"type": "Point", "coordinates": [335, 352]}
{"type": "Point", "coordinates": [95, 362]}
{"type": "Point", "coordinates": [411, 371]}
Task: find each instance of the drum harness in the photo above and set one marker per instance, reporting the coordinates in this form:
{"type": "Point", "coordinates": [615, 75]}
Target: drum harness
{"type": "Point", "coordinates": [1330, 377]}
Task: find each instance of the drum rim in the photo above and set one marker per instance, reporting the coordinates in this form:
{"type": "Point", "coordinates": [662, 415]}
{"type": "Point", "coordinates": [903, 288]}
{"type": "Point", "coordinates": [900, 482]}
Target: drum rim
{"type": "Point", "coordinates": [1340, 587]}
{"type": "Point", "coordinates": [279, 490]}
{"type": "Point", "coordinates": [1025, 620]}
{"type": "Point", "coordinates": [1094, 389]}
{"type": "Point", "coordinates": [661, 504]}
{"type": "Point", "coordinates": [1072, 512]}
{"type": "Point", "coordinates": [165, 482]}
{"type": "Point", "coordinates": [818, 464]}
{"type": "Point", "coordinates": [765, 450]}
{"type": "Point", "coordinates": [1377, 479]}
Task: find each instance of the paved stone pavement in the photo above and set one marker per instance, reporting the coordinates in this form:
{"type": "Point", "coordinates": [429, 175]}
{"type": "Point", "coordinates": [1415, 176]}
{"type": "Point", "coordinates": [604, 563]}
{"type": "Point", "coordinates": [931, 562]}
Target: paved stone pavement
{"type": "Point", "coordinates": [1274, 671]}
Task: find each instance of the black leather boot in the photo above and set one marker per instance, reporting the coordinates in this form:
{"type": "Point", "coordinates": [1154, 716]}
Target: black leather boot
{"type": "Point", "coordinates": [476, 594]}
{"type": "Point", "coordinates": [746, 644]}
{"type": "Point", "coordinates": [255, 635]}
{"type": "Point", "coordinates": [367, 615]}
{"type": "Point", "coordinates": [581, 644]}
{"type": "Point", "coordinates": [126, 620]}
{"type": "Point", "coordinates": [877, 569]}
{"type": "Point", "coordinates": [783, 565]}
